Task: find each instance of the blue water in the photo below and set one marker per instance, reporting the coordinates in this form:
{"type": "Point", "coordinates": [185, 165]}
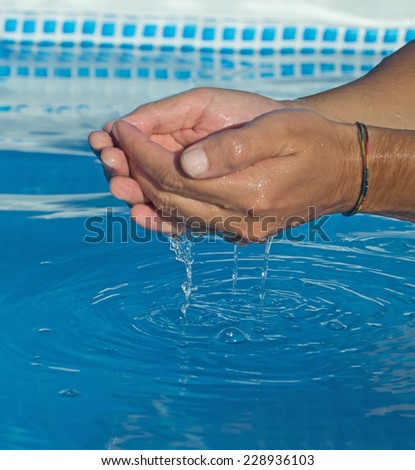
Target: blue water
{"type": "Point", "coordinates": [97, 351]}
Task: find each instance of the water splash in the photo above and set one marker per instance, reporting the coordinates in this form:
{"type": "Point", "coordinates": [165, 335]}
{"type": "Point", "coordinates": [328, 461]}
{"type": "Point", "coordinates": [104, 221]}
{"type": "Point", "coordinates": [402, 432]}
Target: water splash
{"type": "Point", "coordinates": [182, 246]}
{"type": "Point", "coordinates": [264, 272]}
{"type": "Point", "coordinates": [235, 268]}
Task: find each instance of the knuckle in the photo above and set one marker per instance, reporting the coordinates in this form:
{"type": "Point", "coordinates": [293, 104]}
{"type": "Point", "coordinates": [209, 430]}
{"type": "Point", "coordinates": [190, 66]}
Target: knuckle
{"type": "Point", "coordinates": [169, 181]}
{"type": "Point", "coordinates": [233, 149]}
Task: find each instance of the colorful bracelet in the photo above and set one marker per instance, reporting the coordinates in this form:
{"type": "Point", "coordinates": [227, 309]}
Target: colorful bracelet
{"type": "Point", "coordinates": [364, 150]}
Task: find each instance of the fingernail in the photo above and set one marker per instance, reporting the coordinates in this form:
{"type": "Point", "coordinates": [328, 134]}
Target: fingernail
{"type": "Point", "coordinates": [195, 162]}
{"type": "Point", "coordinates": [108, 161]}
{"type": "Point", "coordinates": [114, 131]}
{"type": "Point", "coordinates": [108, 125]}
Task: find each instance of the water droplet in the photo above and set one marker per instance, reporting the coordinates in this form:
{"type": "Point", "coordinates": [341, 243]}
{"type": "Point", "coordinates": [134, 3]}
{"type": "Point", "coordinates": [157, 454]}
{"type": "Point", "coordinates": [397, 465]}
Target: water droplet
{"type": "Point", "coordinates": [44, 330]}
{"type": "Point", "coordinates": [183, 345]}
{"type": "Point", "coordinates": [69, 393]}
{"type": "Point", "coordinates": [335, 325]}
{"type": "Point", "coordinates": [258, 330]}
{"type": "Point", "coordinates": [232, 335]}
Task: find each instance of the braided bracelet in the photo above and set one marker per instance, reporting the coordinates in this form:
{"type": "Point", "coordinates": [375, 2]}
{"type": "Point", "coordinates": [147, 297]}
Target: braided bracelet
{"type": "Point", "coordinates": [364, 147]}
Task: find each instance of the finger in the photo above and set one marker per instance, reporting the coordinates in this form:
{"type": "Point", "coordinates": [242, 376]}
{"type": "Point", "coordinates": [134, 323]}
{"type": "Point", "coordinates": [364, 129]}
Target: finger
{"type": "Point", "coordinates": [232, 150]}
{"type": "Point", "coordinates": [158, 171]}
{"type": "Point", "coordinates": [167, 115]}
{"type": "Point", "coordinates": [115, 161]}
{"type": "Point", "coordinates": [128, 190]}
{"type": "Point", "coordinates": [98, 140]}
{"type": "Point", "coordinates": [148, 217]}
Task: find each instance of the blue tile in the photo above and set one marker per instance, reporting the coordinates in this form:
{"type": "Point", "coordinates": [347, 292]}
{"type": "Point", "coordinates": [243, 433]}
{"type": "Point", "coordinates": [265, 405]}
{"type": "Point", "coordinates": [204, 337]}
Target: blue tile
{"type": "Point", "coordinates": [208, 34]}
{"type": "Point", "coordinates": [149, 30]}
{"type": "Point", "coordinates": [307, 50]}
{"type": "Point", "coordinates": [287, 51]}
{"type": "Point", "coordinates": [327, 67]}
{"type": "Point", "coordinates": [227, 51]}
{"type": "Point", "coordinates": [229, 34]}
{"type": "Point", "coordinates": [161, 74]}
{"type": "Point", "coordinates": [41, 72]}
{"type": "Point", "coordinates": [366, 68]}
{"type": "Point", "coordinates": [268, 34]}
{"type": "Point", "coordinates": [347, 68]}
{"type": "Point", "coordinates": [143, 73]}
{"type": "Point", "coordinates": [330, 34]}
{"type": "Point", "coordinates": [88, 27]}
{"type": "Point", "coordinates": [146, 47]}
{"type": "Point", "coordinates": [167, 48]}
{"type": "Point", "coordinates": [349, 51]}
{"type": "Point", "coordinates": [266, 51]}
{"type": "Point", "coordinates": [247, 51]}
{"type": "Point", "coordinates": [350, 35]}
{"type": "Point", "coordinates": [122, 73]}
{"type": "Point", "coordinates": [67, 44]}
{"type": "Point", "coordinates": [4, 71]}
{"type": "Point", "coordinates": [327, 51]}
{"type": "Point", "coordinates": [371, 35]}
{"type": "Point", "coordinates": [63, 73]}
{"type": "Point", "coordinates": [29, 26]}
{"type": "Point", "coordinates": [108, 29]}
{"type": "Point", "coordinates": [68, 27]}
{"type": "Point", "coordinates": [4, 109]}
{"type": "Point", "coordinates": [289, 33]}
{"type": "Point", "coordinates": [410, 35]}
{"type": "Point", "coordinates": [10, 25]}
{"type": "Point", "coordinates": [248, 34]}
{"type": "Point", "coordinates": [307, 69]}
{"type": "Point", "coordinates": [169, 31]}
{"type": "Point", "coordinates": [182, 74]}
{"type": "Point", "coordinates": [126, 46]}
{"type": "Point", "coordinates": [287, 70]}
{"type": "Point", "coordinates": [49, 26]}
{"type": "Point", "coordinates": [189, 31]}
{"type": "Point", "coordinates": [101, 73]}
{"type": "Point", "coordinates": [310, 34]}
{"type": "Point", "coordinates": [83, 72]}
{"type": "Point", "coordinates": [129, 30]}
{"type": "Point", "coordinates": [23, 71]}
{"type": "Point", "coordinates": [46, 43]}
{"type": "Point", "coordinates": [87, 44]}
{"type": "Point", "coordinates": [391, 35]}
{"type": "Point", "coordinates": [187, 48]}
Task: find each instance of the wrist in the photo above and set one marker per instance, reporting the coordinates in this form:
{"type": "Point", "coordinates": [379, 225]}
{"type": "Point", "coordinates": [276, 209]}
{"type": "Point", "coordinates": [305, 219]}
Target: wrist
{"type": "Point", "coordinates": [391, 173]}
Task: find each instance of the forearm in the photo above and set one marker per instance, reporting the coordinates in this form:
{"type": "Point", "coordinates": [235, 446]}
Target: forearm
{"type": "Point", "coordinates": [384, 97]}
{"type": "Point", "coordinates": [391, 190]}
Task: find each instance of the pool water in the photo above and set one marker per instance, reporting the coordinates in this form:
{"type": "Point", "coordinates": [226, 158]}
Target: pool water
{"type": "Point", "coordinates": [98, 349]}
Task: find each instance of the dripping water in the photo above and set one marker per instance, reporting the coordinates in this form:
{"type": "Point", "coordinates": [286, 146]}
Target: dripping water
{"type": "Point", "coordinates": [264, 272]}
{"type": "Point", "coordinates": [235, 268]}
{"type": "Point", "coordinates": [182, 246]}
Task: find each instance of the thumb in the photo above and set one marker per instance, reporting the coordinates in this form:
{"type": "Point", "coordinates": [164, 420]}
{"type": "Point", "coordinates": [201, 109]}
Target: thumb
{"type": "Point", "coordinates": [231, 150]}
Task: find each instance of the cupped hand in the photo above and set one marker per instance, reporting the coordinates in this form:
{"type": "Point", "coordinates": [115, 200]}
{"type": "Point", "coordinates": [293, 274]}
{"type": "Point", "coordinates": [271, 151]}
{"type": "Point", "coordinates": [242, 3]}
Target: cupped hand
{"type": "Point", "coordinates": [176, 123]}
{"type": "Point", "coordinates": [282, 169]}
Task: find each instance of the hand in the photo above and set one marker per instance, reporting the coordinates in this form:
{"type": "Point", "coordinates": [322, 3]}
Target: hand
{"type": "Point", "coordinates": [289, 161]}
{"type": "Point", "coordinates": [175, 123]}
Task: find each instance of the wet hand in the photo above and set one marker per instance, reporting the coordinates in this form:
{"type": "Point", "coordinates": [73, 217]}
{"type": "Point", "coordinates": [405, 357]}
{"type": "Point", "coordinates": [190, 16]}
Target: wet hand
{"type": "Point", "coordinates": [175, 123]}
{"type": "Point", "coordinates": [277, 167]}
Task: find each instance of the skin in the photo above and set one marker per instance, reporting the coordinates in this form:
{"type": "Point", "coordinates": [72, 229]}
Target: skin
{"type": "Point", "coordinates": [267, 161]}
